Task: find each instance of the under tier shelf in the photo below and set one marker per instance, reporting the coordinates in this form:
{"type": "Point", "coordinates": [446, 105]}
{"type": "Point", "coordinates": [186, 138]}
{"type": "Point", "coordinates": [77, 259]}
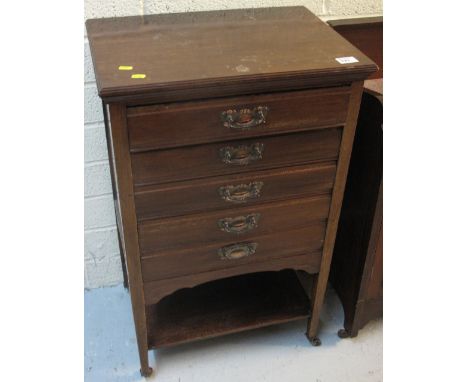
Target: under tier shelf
{"type": "Point", "coordinates": [226, 306]}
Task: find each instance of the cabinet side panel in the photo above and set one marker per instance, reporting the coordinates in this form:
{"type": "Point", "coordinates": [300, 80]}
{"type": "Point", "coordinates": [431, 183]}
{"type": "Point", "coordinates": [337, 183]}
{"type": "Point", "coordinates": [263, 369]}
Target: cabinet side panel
{"type": "Point", "coordinates": [110, 152]}
{"type": "Point", "coordinates": [124, 181]}
{"type": "Point", "coordinates": [320, 282]}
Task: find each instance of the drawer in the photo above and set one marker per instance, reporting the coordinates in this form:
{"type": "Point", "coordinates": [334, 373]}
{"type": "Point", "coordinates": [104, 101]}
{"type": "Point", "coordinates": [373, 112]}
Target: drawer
{"type": "Point", "coordinates": [180, 124]}
{"type": "Point", "coordinates": [162, 166]}
{"type": "Point", "coordinates": [233, 191]}
{"type": "Point", "coordinates": [286, 244]}
{"type": "Point", "coordinates": [222, 227]}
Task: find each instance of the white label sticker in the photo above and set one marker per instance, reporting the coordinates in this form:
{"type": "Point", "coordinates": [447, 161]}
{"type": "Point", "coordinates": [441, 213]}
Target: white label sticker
{"type": "Point", "coordinates": [347, 60]}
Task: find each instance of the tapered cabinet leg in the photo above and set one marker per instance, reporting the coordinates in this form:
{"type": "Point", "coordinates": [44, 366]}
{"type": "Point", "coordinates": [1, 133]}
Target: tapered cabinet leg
{"type": "Point", "coordinates": [145, 369]}
{"type": "Point", "coordinates": [312, 331]}
{"type": "Point", "coordinates": [312, 324]}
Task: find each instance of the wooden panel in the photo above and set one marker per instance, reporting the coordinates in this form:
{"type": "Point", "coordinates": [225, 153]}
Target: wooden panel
{"type": "Point", "coordinates": [207, 160]}
{"type": "Point", "coordinates": [180, 124]}
{"type": "Point", "coordinates": [226, 306]}
{"type": "Point", "coordinates": [308, 240]}
{"type": "Point", "coordinates": [172, 234]}
{"type": "Point", "coordinates": [156, 290]}
{"type": "Point", "coordinates": [208, 51]}
{"type": "Point", "coordinates": [233, 191]}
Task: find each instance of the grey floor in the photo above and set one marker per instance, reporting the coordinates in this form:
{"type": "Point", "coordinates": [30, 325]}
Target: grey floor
{"type": "Point", "coordinates": [277, 353]}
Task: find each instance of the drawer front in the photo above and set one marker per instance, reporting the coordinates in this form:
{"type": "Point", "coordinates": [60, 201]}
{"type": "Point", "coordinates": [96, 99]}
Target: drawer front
{"type": "Point", "coordinates": [233, 191]}
{"type": "Point", "coordinates": [186, 163]}
{"type": "Point", "coordinates": [180, 124]}
{"type": "Point", "coordinates": [223, 227]}
{"type": "Point", "coordinates": [287, 244]}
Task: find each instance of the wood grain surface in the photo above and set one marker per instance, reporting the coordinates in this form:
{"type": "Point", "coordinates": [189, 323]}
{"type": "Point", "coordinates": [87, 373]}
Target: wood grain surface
{"type": "Point", "coordinates": [156, 290]}
{"type": "Point", "coordinates": [194, 260]}
{"type": "Point", "coordinates": [179, 51]}
{"type": "Point", "coordinates": [228, 306]}
{"type": "Point", "coordinates": [204, 195]}
{"type": "Point", "coordinates": [187, 123]}
{"type": "Point", "coordinates": [161, 235]}
{"type": "Point", "coordinates": [193, 162]}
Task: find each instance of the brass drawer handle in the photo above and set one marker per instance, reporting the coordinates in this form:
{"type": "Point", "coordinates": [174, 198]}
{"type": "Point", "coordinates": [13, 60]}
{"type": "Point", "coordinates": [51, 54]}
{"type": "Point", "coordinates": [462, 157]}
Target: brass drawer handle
{"type": "Point", "coordinates": [240, 193]}
{"type": "Point", "coordinates": [237, 251]}
{"type": "Point", "coordinates": [239, 224]}
{"type": "Point", "coordinates": [244, 119]}
{"type": "Point", "coordinates": [241, 155]}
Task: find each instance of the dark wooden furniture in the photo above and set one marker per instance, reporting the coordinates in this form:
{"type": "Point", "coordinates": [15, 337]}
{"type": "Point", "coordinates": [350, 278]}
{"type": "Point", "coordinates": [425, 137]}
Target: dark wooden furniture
{"type": "Point", "coordinates": [230, 134]}
{"type": "Point", "coordinates": [357, 265]}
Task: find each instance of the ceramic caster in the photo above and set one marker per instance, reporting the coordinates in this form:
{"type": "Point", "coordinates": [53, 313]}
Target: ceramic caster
{"type": "Point", "coordinates": [146, 373]}
{"type": "Point", "coordinates": [315, 341]}
{"type": "Point", "coordinates": [343, 333]}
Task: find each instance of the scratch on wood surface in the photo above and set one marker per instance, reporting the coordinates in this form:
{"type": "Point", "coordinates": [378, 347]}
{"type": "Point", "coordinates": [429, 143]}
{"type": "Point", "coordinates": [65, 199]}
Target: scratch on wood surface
{"type": "Point", "coordinates": [242, 68]}
{"type": "Point", "coordinates": [252, 58]}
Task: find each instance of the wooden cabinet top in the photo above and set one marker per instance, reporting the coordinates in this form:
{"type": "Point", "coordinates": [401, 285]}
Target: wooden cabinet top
{"type": "Point", "coordinates": [202, 54]}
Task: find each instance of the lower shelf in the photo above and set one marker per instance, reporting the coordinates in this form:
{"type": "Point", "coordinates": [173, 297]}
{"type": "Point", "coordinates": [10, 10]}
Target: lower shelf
{"type": "Point", "coordinates": [226, 306]}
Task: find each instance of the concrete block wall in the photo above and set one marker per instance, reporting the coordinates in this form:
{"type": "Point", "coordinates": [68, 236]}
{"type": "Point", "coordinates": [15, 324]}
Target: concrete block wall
{"type": "Point", "coordinates": [101, 250]}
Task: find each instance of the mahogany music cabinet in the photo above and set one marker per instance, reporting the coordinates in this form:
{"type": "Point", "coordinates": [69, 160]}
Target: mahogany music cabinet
{"type": "Point", "coordinates": [229, 137]}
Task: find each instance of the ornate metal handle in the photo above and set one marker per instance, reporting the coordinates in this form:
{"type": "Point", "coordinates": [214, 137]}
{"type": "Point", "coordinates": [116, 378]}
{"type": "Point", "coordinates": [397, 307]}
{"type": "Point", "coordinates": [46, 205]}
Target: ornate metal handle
{"type": "Point", "coordinates": [239, 224]}
{"type": "Point", "coordinates": [241, 155]}
{"type": "Point", "coordinates": [237, 251]}
{"type": "Point", "coordinates": [245, 118]}
{"type": "Point", "coordinates": [241, 193]}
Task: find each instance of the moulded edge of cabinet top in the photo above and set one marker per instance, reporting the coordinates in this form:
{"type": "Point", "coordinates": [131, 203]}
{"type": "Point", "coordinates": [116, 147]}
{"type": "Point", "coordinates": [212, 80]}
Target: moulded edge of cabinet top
{"type": "Point", "coordinates": [220, 52]}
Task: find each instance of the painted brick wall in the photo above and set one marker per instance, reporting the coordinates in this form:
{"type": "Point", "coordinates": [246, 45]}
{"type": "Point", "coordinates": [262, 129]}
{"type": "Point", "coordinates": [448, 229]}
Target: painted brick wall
{"type": "Point", "coordinates": [101, 250]}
